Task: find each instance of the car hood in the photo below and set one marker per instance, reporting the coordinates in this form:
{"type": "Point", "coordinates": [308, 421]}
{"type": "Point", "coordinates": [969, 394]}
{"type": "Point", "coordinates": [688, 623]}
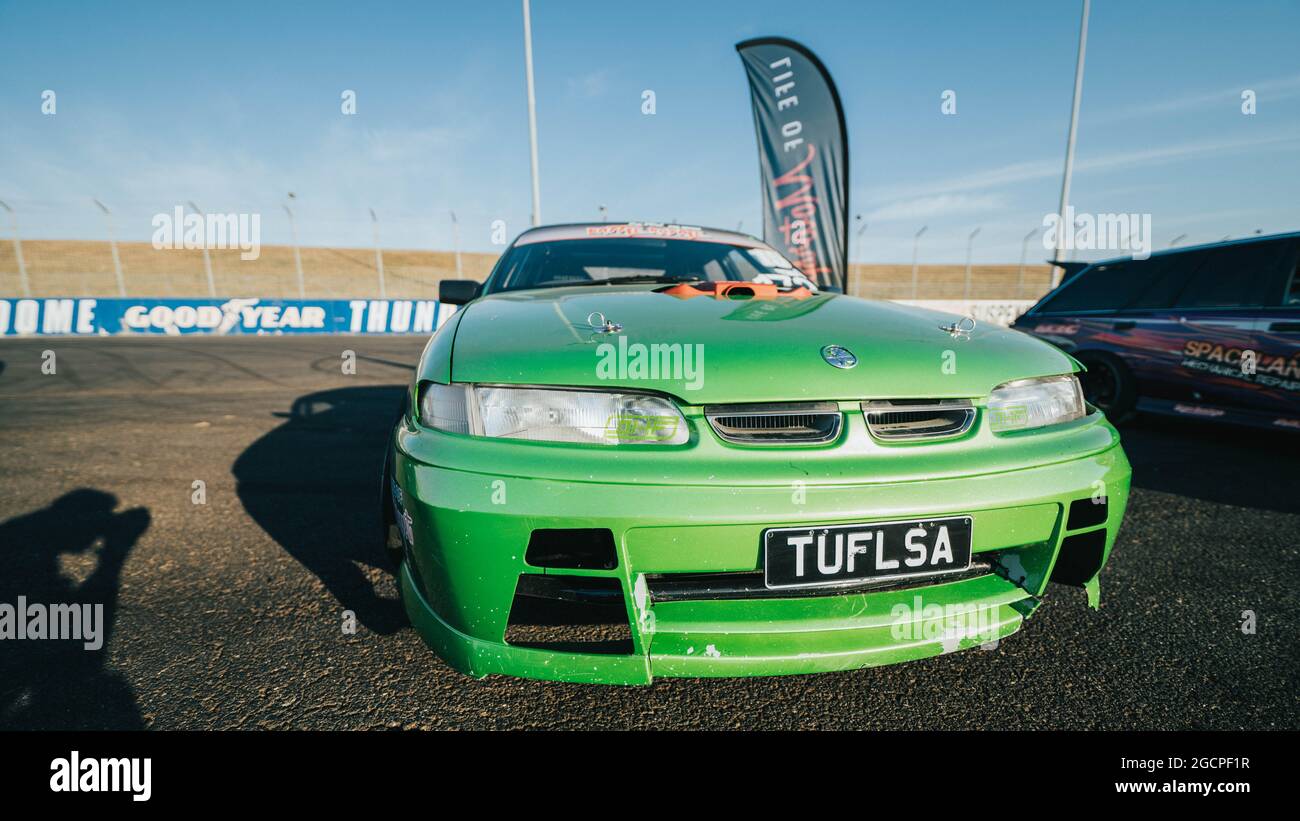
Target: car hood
{"type": "Point", "coordinates": [707, 350]}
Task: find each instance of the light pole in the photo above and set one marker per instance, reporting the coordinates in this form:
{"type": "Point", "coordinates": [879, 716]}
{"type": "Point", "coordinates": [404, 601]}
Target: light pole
{"type": "Point", "coordinates": [603, 214]}
{"type": "Point", "coordinates": [112, 244]}
{"type": "Point", "coordinates": [970, 243]}
{"type": "Point", "coordinates": [1069, 143]}
{"type": "Point", "coordinates": [297, 257]}
{"type": "Point", "coordinates": [1177, 240]}
{"type": "Point", "coordinates": [1024, 252]}
{"type": "Point", "coordinates": [207, 257]}
{"type": "Point", "coordinates": [532, 112]}
{"type": "Point", "coordinates": [379, 254]}
{"type": "Point", "coordinates": [455, 239]}
{"type": "Point", "coordinates": [18, 250]}
{"type": "Point", "coordinates": [916, 242]}
{"type": "Point", "coordinates": [857, 237]}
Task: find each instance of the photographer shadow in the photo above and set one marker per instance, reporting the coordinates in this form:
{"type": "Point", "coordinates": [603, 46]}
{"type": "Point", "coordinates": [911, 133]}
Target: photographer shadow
{"type": "Point", "coordinates": [48, 683]}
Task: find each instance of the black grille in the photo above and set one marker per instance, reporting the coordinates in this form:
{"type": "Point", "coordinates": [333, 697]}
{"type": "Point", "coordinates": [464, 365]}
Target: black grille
{"type": "Point", "coordinates": [776, 424]}
{"type": "Point", "coordinates": [900, 420]}
{"type": "Point", "coordinates": [749, 584]}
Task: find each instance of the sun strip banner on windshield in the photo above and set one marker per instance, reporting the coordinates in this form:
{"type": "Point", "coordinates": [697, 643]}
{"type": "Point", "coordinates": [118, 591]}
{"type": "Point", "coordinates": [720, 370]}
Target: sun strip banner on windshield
{"type": "Point", "coordinates": [803, 157]}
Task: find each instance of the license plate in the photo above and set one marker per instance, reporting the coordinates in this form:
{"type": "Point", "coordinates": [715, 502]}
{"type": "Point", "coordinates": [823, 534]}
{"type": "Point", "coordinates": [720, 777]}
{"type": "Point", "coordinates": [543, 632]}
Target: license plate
{"type": "Point", "coordinates": [837, 555]}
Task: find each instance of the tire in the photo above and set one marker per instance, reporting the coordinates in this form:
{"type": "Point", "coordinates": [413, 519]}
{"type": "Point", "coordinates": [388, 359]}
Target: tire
{"type": "Point", "coordinates": [1108, 384]}
{"type": "Point", "coordinates": [387, 518]}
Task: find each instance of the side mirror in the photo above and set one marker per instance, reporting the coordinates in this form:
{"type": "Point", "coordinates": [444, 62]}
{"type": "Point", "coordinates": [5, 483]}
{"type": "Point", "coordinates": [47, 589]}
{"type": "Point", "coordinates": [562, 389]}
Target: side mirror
{"type": "Point", "coordinates": [458, 291]}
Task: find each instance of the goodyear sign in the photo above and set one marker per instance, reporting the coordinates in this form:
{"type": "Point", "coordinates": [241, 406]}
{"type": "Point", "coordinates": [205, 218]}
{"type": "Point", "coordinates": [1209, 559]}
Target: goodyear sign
{"type": "Point", "coordinates": [91, 316]}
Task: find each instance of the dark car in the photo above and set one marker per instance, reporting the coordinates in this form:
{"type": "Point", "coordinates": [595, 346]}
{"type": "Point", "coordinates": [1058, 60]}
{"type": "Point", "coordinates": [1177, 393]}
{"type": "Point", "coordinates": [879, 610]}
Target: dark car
{"type": "Point", "coordinates": [1211, 331]}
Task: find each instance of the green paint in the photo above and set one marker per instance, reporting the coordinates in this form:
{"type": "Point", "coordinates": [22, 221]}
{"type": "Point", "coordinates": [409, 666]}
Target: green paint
{"type": "Point", "coordinates": [702, 506]}
{"type": "Point", "coordinates": [1093, 586]}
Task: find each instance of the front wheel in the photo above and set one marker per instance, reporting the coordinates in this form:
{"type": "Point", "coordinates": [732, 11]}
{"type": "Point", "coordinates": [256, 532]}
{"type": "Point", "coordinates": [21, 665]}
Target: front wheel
{"type": "Point", "coordinates": [1108, 384]}
{"type": "Point", "coordinates": [392, 539]}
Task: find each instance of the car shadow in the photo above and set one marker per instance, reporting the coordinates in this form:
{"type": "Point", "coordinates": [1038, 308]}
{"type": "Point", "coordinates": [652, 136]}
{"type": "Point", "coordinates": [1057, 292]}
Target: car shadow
{"type": "Point", "coordinates": [313, 485]}
{"type": "Point", "coordinates": [1244, 467]}
{"type": "Point", "coordinates": [53, 683]}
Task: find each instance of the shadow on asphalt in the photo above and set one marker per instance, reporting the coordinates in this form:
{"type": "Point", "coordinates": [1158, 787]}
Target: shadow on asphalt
{"type": "Point", "coordinates": [313, 485]}
{"type": "Point", "coordinates": [60, 684]}
{"type": "Point", "coordinates": [1227, 465]}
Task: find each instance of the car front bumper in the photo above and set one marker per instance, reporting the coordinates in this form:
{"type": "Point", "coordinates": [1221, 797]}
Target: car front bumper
{"type": "Point", "coordinates": [469, 527]}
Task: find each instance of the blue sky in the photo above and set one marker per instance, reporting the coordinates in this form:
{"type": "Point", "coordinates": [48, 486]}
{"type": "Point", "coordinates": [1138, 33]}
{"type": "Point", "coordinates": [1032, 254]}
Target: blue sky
{"type": "Point", "coordinates": [233, 104]}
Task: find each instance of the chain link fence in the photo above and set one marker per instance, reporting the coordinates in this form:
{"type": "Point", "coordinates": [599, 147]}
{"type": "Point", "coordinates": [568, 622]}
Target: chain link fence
{"type": "Point", "coordinates": [86, 268]}
{"type": "Point", "coordinates": [949, 282]}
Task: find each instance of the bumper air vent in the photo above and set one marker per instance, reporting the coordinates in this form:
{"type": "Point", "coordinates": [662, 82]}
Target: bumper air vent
{"type": "Point", "coordinates": [786, 423]}
{"type": "Point", "coordinates": [1086, 513]}
{"type": "Point", "coordinates": [1080, 558]}
{"type": "Point", "coordinates": [572, 548]}
{"type": "Point", "coordinates": [903, 420]}
{"type": "Point", "coordinates": [569, 614]}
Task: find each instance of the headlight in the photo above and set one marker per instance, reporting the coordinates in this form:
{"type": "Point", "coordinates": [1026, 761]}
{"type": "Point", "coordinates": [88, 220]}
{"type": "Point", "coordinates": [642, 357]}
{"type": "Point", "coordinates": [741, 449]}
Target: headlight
{"type": "Point", "coordinates": [543, 415]}
{"type": "Point", "coordinates": [1035, 403]}
{"type": "Point", "coordinates": [444, 407]}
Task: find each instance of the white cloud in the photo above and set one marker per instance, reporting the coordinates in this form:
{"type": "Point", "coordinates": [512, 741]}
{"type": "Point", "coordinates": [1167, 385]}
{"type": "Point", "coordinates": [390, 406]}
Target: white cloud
{"type": "Point", "coordinates": [1277, 88]}
{"type": "Point", "coordinates": [1013, 173]}
{"type": "Point", "coordinates": [591, 84]}
{"type": "Point", "coordinates": [935, 206]}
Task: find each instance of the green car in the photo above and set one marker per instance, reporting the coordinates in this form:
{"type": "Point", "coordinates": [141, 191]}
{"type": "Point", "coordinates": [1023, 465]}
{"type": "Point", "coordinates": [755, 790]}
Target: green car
{"type": "Point", "coordinates": [644, 450]}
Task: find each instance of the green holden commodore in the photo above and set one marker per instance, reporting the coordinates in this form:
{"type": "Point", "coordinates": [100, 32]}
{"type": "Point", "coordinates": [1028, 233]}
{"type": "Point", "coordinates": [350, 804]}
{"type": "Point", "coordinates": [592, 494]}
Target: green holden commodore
{"type": "Point", "coordinates": [645, 450]}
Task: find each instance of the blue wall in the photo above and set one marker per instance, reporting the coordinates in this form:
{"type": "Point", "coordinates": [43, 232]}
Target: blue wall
{"type": "Point", "coordinates": [93, 316]}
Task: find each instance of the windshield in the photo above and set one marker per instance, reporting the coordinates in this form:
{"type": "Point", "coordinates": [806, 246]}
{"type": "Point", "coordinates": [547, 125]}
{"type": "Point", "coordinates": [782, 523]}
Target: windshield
{"type": "Point", "coordinates": [609, 261]}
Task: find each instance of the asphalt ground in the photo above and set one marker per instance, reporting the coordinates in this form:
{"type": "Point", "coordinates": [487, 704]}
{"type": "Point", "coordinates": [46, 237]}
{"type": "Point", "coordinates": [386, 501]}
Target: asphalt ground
{"type": "Point", "coordinates": [228, 614]}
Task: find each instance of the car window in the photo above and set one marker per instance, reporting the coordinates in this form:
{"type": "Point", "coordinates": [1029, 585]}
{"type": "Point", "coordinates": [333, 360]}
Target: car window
{"type": "Point", "coordinates": [556, 263]}
{"type": "Point", "coordinates": [1169, 275]}
{"type": "Point", "coordinates": [1237, 276]}
{"type": "Point", "coordinates": [1291, 294]}
{"type": "Point", "coordinates": [1113, 286]}
{"type": "Point", "coordinates": [1246, 275]}
{"type": "Point", "coordinates": [1091, 290]}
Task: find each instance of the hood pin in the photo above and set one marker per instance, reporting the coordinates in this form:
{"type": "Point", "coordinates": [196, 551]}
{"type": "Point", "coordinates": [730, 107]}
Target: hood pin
{"type": "Point", "coordinates": [602, 325]}
{"type": "Point", "coordinates": [959, 329]}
